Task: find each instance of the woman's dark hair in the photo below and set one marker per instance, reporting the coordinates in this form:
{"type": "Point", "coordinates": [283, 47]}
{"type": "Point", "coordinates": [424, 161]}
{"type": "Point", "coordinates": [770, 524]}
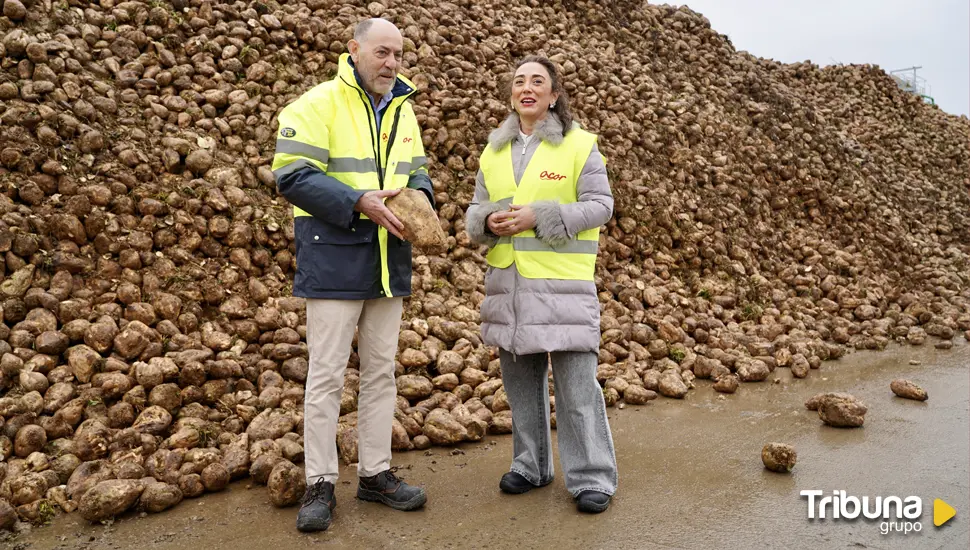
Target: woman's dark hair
{"type": "Point", "coordinates": [562, 104]}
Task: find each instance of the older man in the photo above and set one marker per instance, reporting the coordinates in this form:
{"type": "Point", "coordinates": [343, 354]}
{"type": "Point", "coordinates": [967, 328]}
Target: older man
{"type": "Point", "coordinates": [343, 147]}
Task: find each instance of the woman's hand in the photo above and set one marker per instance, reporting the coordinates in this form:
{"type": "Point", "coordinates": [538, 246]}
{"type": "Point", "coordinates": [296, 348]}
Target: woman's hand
{"type": "Point", "coordinates": [512, 222]}
{"type": "Point", "coordinates": [494, 221]}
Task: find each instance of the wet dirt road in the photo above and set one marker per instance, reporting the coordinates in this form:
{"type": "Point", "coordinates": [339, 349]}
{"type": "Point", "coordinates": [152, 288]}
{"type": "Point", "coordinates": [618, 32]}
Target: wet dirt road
{"type": "Point", "coordinates": [690, 477]}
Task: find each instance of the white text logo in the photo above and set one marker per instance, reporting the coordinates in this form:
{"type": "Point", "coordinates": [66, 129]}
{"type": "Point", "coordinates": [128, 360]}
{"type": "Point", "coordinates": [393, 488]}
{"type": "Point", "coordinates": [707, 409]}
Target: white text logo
{"type": "Point", "coordinates": [897, 514]}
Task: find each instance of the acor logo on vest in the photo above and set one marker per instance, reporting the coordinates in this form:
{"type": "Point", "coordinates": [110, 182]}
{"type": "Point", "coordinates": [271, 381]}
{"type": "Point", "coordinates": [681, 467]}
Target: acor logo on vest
{"type": "Point", "coordinates": [551, 176]}
{"type": "Point", "coordinates": [288, 132]}
{"type": "Point", "coordinates": [407, 140]}
{"type": "Point", "coordinates": [384, 137]}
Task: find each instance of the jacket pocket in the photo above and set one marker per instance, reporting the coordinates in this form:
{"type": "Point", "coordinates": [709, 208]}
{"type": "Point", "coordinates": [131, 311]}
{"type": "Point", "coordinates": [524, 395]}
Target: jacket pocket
{"type": "Point", "coordinates": [399, 265]}
{"type": "Point", "coordinates": [334, 259]}
{"type": "Point", "coordinates": [324, 233]}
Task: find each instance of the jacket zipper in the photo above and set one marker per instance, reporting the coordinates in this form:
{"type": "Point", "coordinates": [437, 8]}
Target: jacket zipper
{"type": "Point", "coordinates": [375, 140]}
{"type": "Point", "coordinates": [515, 283]}
{"type": "Point", "coordinates": [371, 123]}
{"type": "Point", "coordinates": [390, 140]}
{"type": "Point", "coordinates": [515, 312]}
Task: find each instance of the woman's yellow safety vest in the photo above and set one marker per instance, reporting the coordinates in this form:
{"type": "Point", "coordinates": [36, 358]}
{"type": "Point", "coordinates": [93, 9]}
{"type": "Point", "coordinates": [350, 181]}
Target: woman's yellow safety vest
{"type": "Point", "coordinates": [552, 174]}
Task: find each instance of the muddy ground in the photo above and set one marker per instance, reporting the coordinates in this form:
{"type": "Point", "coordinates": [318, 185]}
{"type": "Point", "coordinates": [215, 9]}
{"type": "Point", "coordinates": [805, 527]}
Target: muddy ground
{"type": "Point", "coordinates": [690, 477]}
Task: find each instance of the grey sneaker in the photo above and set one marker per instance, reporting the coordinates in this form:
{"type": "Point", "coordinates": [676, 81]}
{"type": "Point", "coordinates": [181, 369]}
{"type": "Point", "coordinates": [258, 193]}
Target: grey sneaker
{"type": "Point", "coordinates": [386, 488]}
{"type": "Point", "coordinates": [316, 510]}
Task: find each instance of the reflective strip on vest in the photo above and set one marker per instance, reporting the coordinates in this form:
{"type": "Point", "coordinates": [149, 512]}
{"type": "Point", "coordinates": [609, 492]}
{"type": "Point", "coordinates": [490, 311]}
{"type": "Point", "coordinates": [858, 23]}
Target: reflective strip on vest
{"type": "Point", "coordinates": [533, 244]}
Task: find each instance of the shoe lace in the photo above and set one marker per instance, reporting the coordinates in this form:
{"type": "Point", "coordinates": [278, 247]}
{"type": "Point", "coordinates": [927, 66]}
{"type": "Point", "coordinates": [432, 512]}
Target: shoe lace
{"type": "Point", "coordinates": [390, 476]}
{"type": "Point", "coordinates": [385, 479]}
{"type": "Point", "coordinates": [318, 491]}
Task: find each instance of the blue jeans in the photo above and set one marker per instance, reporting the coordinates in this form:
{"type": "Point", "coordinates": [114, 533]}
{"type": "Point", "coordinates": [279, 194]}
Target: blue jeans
{"type": "Point", "coordinates": [585, 442]}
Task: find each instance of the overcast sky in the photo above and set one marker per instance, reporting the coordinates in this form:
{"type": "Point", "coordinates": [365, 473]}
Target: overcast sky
{"type": "Point", "coordinates": [893, 34]}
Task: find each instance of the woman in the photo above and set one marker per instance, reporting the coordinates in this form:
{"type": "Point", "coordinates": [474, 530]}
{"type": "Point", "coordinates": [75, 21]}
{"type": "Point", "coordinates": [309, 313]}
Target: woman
{"type": "Point", "coordinates": [540, 197]}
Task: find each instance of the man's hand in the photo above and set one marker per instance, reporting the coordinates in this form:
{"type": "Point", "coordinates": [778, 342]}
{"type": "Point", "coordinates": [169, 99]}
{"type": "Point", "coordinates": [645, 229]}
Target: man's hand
{"type": "Point", "coordinates": [371, 204]}
{"type": "Point", "coordinates": [512, 222]}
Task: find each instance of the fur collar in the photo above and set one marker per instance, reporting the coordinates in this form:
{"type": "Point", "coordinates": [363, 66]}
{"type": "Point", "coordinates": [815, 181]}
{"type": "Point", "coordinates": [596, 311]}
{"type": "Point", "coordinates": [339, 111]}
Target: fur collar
{"type": "Point", "coordinates": [549, 129]}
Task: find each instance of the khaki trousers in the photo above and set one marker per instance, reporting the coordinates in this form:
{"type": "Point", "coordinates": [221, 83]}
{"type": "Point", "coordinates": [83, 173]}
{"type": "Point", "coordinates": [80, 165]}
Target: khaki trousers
{"type": "Point", "coordinates": [330, 334]}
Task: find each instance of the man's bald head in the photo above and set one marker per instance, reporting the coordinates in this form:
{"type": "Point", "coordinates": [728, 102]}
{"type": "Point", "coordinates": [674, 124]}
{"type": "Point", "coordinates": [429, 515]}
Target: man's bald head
{"type": "Point", "coordinates": [382, 26]}
{"type": "Point", "coordinates": [377, 50]}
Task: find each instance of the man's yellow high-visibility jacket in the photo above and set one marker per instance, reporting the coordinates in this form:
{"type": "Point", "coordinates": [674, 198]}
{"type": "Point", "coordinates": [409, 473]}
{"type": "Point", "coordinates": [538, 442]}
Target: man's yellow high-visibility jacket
{"type": "Point", "coordinates": [329, 152]}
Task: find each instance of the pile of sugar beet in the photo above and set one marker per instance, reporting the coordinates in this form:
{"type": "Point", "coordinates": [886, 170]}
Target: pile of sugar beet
{"type": "Point", "coordinates": [768, 216]}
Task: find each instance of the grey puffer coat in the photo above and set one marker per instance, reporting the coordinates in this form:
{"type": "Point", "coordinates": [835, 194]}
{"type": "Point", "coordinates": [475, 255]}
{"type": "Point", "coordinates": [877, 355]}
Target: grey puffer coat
{"type": "Point", "coordinates": [525, 316]}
